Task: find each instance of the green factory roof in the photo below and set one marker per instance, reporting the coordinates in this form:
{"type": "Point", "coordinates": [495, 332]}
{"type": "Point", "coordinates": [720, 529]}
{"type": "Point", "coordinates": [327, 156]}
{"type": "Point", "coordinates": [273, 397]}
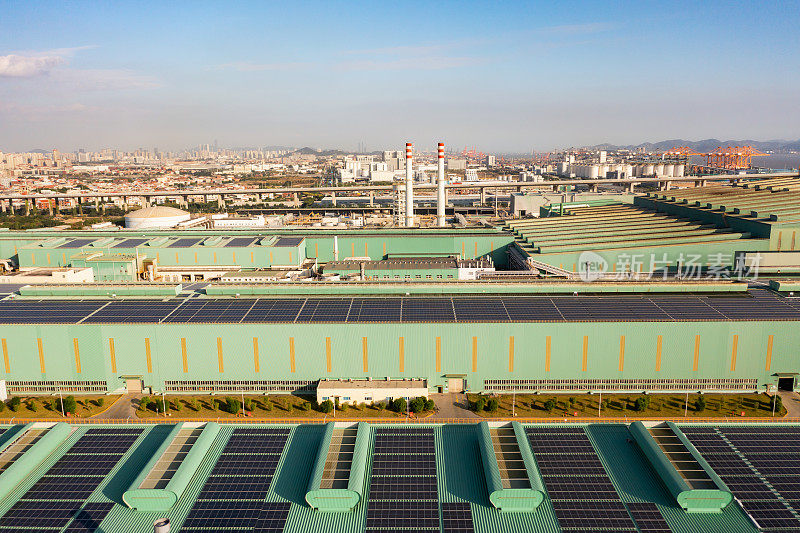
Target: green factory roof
{"type": "Point", "coordinates": [90, 467]}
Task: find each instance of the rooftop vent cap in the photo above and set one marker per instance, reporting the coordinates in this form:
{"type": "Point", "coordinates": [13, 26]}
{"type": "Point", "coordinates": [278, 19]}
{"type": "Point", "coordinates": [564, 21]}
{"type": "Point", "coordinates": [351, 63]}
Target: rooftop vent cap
{"type": "Point", "coordinates": [161, 525]}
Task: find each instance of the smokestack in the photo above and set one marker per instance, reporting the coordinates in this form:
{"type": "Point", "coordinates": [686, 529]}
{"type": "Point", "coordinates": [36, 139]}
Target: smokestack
{"type": "Point", "coordinates": [441, 199]}
{"type": "Point", "coordinates": [409, 188]}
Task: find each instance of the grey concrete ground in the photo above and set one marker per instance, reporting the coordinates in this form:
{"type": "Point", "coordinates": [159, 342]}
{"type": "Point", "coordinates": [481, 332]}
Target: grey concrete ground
{"type": "Point", "coordinates": [791, 400]}
{"type": "Point", "coordinates": [452, 405]}
{"type": "Point", "coordinates": [122, 409]}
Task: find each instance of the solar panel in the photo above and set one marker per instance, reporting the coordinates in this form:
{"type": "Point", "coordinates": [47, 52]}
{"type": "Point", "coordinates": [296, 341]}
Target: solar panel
{"type": "Point", "coordinates": [771, 514]}
{"type": "Point", "coordinates": [274, 310]}
{"type": "Point", "coordinates": [285, 242]}
{"type": "Point", "coordinates": [403, 514]}
{"type": "Point", "coordinates": [480, 310]}
{"type": "Point", "coordinates": [130, 243]}
{"type": "Point", "coordinates": [240, 242]}
{"type": "Point", "coordinates": [648, 517]}
{"type": "Point", "coordinates": [375, 310]}
{"type": "Point", "coordinates": [457, 518]}
{"type": "Point", "coordinates": [39, 514]}
{"type": "Point", "coordinates": [589, 515]}
{"type": "Point", "coordinates": [400, 488]}
{"type": "Point", "coordinates": [184, 243]}
{"type": "Point", "coordinates": [324, 310]}
{"type": "Point", "coordinates": [76, 243]}
{"type": "Point", "coordinates": [428, 310]}
{"type": "Point", "coordinates": [132, 311]}
{"type": "Point", "coordinates": [88, 519]}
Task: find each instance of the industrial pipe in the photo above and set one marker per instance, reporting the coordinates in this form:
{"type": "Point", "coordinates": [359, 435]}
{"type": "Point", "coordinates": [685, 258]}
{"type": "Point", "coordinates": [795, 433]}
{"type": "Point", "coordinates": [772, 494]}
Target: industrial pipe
{"type": "Point", "coordinates": [409, 188]}
{"type": "Point", "coordinates": [441, 197]}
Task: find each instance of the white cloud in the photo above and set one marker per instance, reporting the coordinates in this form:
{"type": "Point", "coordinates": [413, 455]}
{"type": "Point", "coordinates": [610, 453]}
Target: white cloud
{"type": "Point", "coordinates": [17, 66]}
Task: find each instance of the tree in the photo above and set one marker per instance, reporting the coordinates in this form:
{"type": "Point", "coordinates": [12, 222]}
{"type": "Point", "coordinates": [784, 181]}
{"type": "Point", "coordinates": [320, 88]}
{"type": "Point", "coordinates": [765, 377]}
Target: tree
{"type": "Point", "coordinates": [642, 403]}
{"type": "Point", "coordinates": [305, 406]}
{"type": "Point", "coordinates": [480, 404]}
{"type": "Point", "coordinates": [492, 405]}
{"type": "Point", "coordinates": [778, 403]}
{"type": "Point", "coordinates": [178, 406]}
{"type": "Point", "coordinates": [144, 403]}
{"type": "Point", "coordinates": [195, 404]}
{"type": "Point", "coordinates": [399, 405]}
{"type": "Point", "coordinates": [549, 405]}
{"type": "Point", "coordinates": [70, 405]}
{"type": "Point", "coordinates": [159, 405]}
{"type": "Point", "coordinates": [248, 404]}
{"type": "Point", "coordinates": [33, 406]}
{"type": "Point", "coordinates": [232, 405]}
{"type": "Point", "coordinates": [100, 402]}
{"type": "Point", "coordinates": [2, 406]}
{"type": "Point", "coordinates": [14, 403]}
{"type": "Point", "coordinates": [326, 406]}
{"type": "Point", "coordinates": [417, 405]}
{"type": "Point", "coordinates": [430, 405]}
{"type": "Point", "coordinates": [380, 406]}
{"type": "Point", "coordinates": [700, 404]}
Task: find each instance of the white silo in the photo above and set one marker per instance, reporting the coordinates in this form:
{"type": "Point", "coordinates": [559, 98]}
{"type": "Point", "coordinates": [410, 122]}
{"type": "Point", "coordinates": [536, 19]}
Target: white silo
{"type": "Point", "coordinates": [594, 171]}
{"type": "Point", "coordinates": [628, 171]}
{"type": "Point", "coordinates": [659, 170]}
{"type": "Point", "coordinates": [669, 170]}
{"type": "Point", "coordinates": [648, 170]}
{"type": "Point", "coordinates": [679, 170]}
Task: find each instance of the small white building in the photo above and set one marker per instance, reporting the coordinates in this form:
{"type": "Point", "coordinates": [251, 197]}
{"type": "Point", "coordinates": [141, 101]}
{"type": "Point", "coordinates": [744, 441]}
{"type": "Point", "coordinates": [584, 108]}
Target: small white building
{"type": "Point", "coordinates": [355, 391]}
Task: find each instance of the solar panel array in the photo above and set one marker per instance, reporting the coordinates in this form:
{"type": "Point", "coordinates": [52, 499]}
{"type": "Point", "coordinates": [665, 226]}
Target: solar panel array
{"type": "Point", "coordinates": [457, 518]}
{"type": "Point", "coordinates": [76, 243]}
{"type": "Point", "coordinates": [58, 496]}
{"type": "Point", "coordinates": [240, 242]}
{"type": "Point", "coordinates": [285, 242]}
{"type": "Point", "coordinates": [233, 495]}
{"type": "Point", "coordinates": [403, 488]}
{"type": "Point", "coordinates": [582, 499]}
{"type": "Point", "coordinates": [491, 308]}
{"type": "Point", "coordinates": [760, 466]}
{"type": "Point", "coordinates": [184, 243]}
{"type": "Point", "coordinates": [130, 243]}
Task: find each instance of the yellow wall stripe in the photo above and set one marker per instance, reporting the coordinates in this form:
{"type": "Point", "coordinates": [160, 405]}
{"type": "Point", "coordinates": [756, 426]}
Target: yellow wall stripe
{"type": "Point", "coordinates": [733, 352]}
{"type": "Point", "coordinates": [474, 354]}
{"type": "Point", "coordinates": [328, 358]}
{"type": "Point", "coordinates": [184, 356]}
{"type": "Point", "coordinates": [77, 355]}
{"type": "Point", "coordinates": [402, 355]}
{"type": "Point", "coordinates": [585, 353]}
{"type": "Point", "coordinates": [621, 352]}
{"type": "Point", "coordinates": [291, 354]}
{"type": "Point", "coordinates": [147, 356]}
{"type": "Point", "coordinates": [364, 350]}
{"type": "Point", "coordinates": [113, 353]}
{"type": "Point", "coordinates": [219, 355]}
{"type": "Point", "coordinates": [255, 355]}
{"type": "Point", "coordinates": [696, 362]}
{"type": "Point", "coordinates": [6, 362]}
{"type": "Point", "coordinates": [658, 353]}
{"type": "Point", "coordinates": [41, 354]}
{"type": "Point", "coordinates": [547, 345]}
{"type": "Point", "coordinates": [511, 354]}
{"type": "Point", "coordinates": [769, 351]}
{"type": "Point", "coordinates": [438, 354]}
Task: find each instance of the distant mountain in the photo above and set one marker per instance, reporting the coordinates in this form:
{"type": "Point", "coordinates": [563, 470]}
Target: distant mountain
{"type": "Point", "coordinates": [707, 145]}
{"type": "Point", "coordinates": [311, 151]}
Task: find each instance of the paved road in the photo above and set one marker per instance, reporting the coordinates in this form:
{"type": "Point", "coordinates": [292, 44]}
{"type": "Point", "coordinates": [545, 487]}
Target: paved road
{"type": "Point", "coordinates": [791, 400]}
{"type": "Point", "coordinates": [123, 408]}
{"type": "Point", "coordinates": [452, 405]}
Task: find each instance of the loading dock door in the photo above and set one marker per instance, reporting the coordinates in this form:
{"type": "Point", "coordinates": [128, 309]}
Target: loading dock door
{"type": "Point", "coordinates": [786, 383]}
{"type": "Point", "coordinates": [455, 385]}
{"type": "Point", "coordinates": [133, 386]}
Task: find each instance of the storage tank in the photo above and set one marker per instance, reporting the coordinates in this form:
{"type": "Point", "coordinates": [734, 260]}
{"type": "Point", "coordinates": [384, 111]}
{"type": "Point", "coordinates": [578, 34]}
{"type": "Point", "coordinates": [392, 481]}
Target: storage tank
{"type": "Point", "coordinates": [679, 170]}
{"type": "Point", "coordinates": [648, 170]}
{"type": "Point", "coordinates": [628, 171]}
{"type": "Point", "coordinates": [563, 168]}
{"type": "Point", "coordinates": [594, 171]}
{"type": "Point", "coordinates": [156, 217]}
{"type": "Point", "coordinates": [669, 170]}
{"type": "Point", "coordinates": [659, 170]}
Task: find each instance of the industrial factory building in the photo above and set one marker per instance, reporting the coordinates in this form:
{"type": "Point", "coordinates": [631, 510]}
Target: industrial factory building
{"type": "Point", "coordinates": [490, 309]}
{"type": "Point", "coordinates": [359, 477]}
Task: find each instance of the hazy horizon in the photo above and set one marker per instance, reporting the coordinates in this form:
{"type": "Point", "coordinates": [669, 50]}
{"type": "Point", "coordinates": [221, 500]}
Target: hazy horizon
{"type": "Point", "coordinates": [500, 77]}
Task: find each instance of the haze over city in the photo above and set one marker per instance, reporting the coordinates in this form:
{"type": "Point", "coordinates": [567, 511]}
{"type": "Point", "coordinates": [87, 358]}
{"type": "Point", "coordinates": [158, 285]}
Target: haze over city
{"type": "Point", "coordinates": [508, 77]}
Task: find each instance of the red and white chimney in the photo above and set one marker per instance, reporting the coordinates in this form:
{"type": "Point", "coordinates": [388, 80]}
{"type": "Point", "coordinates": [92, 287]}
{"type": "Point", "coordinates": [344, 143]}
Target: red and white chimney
{"type": "Point", "coordinates": [409, 187]}
{"type": "Point", "coordinates": [441, 198]}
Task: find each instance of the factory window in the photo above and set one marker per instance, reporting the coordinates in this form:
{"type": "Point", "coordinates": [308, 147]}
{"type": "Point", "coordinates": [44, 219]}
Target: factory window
{"type": "Point", "coordinates": [239, 386]}
{"type": "Point", "coordinates": [346, 398]}
{"type": "Point", "coordinates": [438, 276]}
{"type": "Point", "coordinates": [450, 276]}
{"type": "Point", "coordinates": [428, 277]}
{"type": "Point", "coordinates": [533, 385]}
{"type": "Point", "coordinates": [368, 398]}
{"type": "Point", "coordinates": [418, 276]}
{"type": "Point", "coordinates": [44, 387]}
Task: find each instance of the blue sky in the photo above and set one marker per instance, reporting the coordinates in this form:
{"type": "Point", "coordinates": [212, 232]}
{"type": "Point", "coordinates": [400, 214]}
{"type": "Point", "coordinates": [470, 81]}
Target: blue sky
{"type": "Point", "coordinates": [503, 76]}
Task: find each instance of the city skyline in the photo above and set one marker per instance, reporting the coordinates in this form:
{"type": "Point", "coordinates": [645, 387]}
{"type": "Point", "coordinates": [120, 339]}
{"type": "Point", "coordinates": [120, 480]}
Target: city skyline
{"type": "Point", "coordinates": [508, 78]}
